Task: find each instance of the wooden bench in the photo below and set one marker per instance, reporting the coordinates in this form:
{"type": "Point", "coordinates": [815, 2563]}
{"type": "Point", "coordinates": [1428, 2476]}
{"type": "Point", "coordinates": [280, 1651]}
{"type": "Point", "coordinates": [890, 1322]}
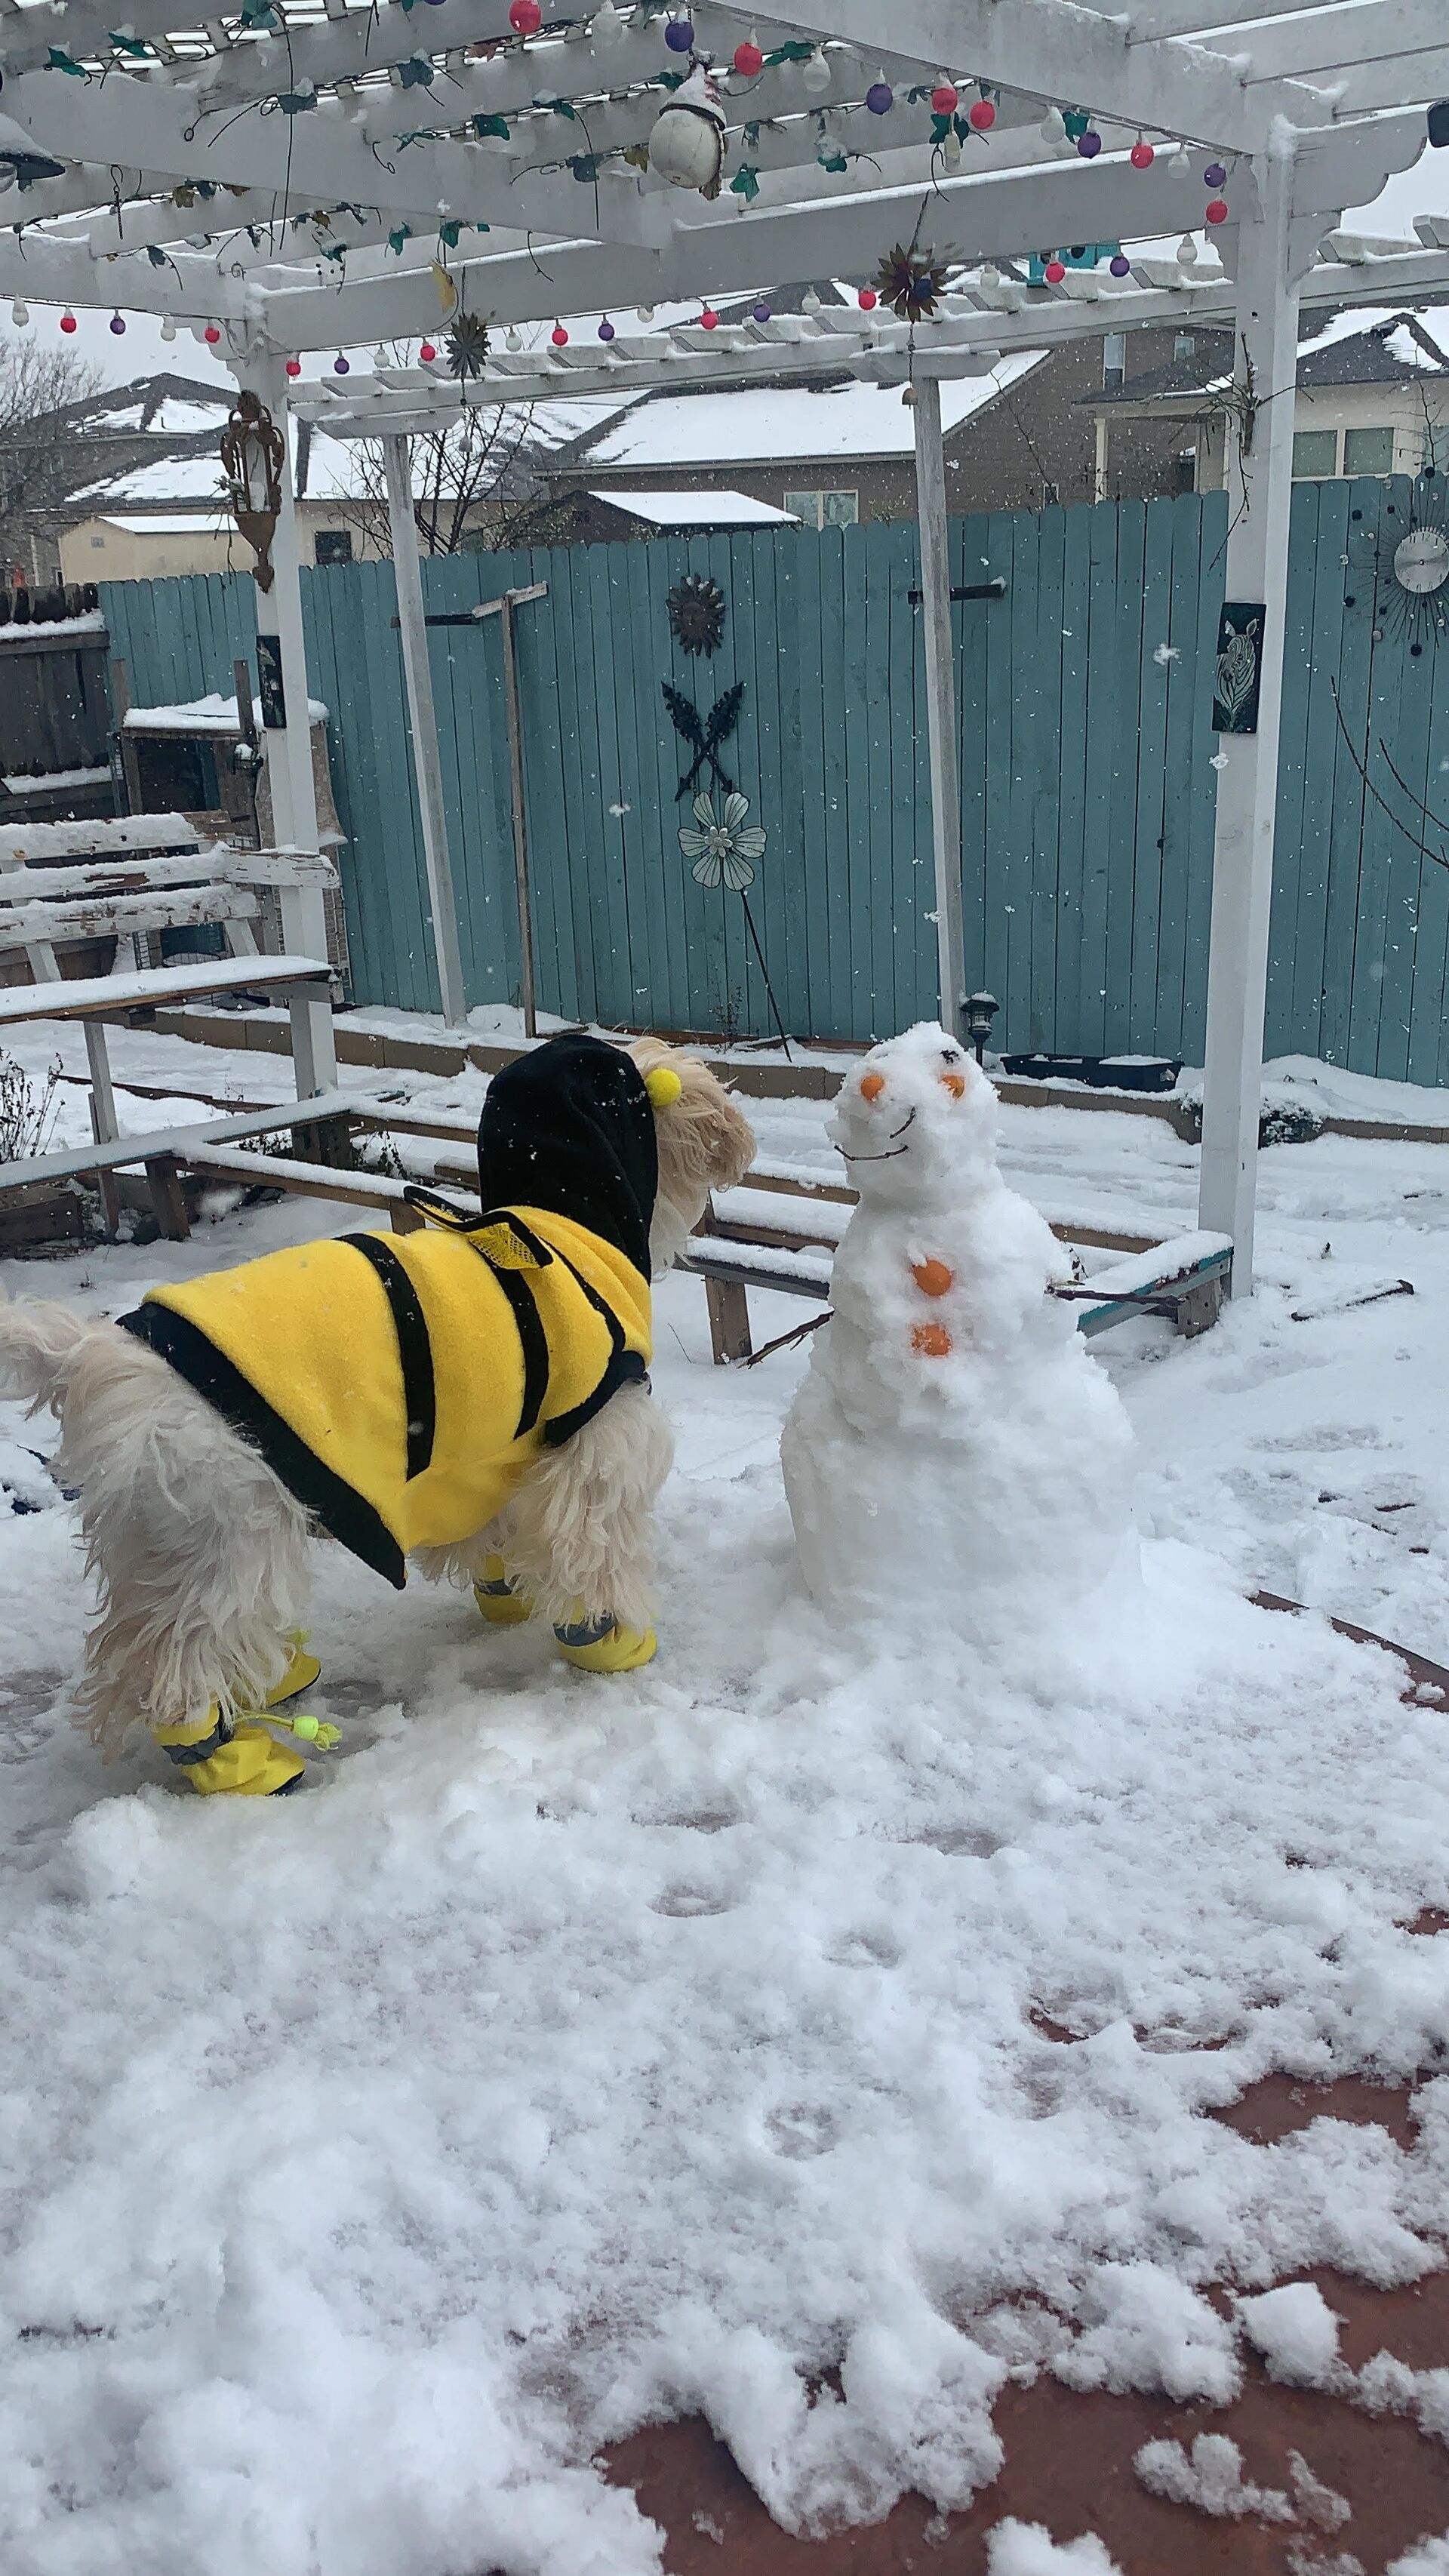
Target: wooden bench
{"type": "Point", "coordinates": [127, 879]}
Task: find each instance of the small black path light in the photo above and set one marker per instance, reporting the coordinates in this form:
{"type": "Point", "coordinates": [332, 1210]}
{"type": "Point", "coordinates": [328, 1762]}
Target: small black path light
{"type": "Point", "coordinates": [981, 1010]}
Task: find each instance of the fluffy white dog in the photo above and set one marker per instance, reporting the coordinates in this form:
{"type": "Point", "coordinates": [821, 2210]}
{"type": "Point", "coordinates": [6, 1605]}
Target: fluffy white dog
{"type": "Point", "coordinates": [472, 1397]}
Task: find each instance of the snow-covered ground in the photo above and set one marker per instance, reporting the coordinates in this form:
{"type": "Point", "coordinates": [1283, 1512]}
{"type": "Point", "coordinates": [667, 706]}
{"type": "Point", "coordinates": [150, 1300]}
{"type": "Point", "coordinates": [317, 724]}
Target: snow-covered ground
{"type": "Point", "coordinates": [575, 2051]}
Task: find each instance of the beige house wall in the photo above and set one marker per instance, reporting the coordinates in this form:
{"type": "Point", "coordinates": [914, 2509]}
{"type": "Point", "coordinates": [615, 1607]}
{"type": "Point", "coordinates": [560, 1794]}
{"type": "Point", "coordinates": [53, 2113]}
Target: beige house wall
{"type": "Point", "coordinates": [97, 550]}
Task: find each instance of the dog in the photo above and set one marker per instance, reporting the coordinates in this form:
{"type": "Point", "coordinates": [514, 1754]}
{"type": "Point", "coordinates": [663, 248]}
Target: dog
{"type": "Point", "coordinates": [471, 1397]}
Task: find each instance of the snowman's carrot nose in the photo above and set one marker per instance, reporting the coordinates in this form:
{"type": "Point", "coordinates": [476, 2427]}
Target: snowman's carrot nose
{"type": "Point", "coordinates": [872, 1085]}
{"type": "Point", "coordinates": [955, 1083]}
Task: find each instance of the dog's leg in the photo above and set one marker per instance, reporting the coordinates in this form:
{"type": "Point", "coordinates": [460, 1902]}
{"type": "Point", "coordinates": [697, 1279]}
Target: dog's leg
{"type": "Point", "coordinates": [578, 1534]}
{"type": "Point", "coordinates": [200, 1555]}
{"type": "Point", "coordinates": [479, 1561]}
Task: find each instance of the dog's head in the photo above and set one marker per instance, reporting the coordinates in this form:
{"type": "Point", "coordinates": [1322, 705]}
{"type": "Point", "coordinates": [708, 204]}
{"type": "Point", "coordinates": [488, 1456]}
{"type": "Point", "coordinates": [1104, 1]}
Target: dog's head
{"type": "Point", "coordinates": [705, 1143]}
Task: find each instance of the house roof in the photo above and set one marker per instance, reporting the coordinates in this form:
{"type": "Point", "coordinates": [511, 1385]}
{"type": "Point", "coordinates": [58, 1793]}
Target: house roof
{"type": "Point", "coordinates": [774, 424]}
{"type": "Point", "coordinates": [1362, 347]}
{"type": "Point", "coordinates": [697, 509]}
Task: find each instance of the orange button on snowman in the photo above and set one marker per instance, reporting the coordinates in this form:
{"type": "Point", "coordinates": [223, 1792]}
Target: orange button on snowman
{"type": "Point", "coordinates": [932, 1278]}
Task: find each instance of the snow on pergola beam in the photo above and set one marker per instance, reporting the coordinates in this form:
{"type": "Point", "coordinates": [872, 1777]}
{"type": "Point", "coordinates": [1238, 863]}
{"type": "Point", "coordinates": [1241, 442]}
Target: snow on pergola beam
{"type": "Point", "coordinates": [972, 337]}
{"type": "Point", "coordinates": [143, 122]}
{"type": "Point", "coordinates": [975, 219]}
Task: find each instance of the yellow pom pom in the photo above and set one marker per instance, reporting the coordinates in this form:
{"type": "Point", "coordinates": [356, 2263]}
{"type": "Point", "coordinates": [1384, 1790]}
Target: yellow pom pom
{"type": "Point", "coordinates": [663, 1086]}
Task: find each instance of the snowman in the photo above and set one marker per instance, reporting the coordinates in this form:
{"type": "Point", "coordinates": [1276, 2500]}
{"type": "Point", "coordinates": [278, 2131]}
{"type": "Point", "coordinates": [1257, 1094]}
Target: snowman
{"type": "Point", "coordinates": [954, 1456]}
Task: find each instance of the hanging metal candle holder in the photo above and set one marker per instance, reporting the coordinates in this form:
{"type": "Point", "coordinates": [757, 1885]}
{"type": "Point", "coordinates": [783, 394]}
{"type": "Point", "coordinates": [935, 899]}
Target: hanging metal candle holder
{"type": "Point", "coordinates": [253, 459]}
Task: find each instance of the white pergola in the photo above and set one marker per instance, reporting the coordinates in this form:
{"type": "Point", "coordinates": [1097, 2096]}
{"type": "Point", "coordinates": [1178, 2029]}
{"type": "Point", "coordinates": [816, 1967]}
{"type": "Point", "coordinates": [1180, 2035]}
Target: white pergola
{"type": "Point", "coordinates": [306, 177]}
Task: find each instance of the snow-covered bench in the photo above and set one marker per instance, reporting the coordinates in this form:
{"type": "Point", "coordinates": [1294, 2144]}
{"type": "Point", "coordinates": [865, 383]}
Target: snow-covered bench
{"type": "Point", "coordinates": [124, 879]}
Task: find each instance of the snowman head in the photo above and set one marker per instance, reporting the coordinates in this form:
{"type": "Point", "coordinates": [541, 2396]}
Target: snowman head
{"type": "Point", "coordinates": [917, 1121]}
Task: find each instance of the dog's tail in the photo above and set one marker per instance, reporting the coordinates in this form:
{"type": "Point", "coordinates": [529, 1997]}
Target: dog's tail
{"type": "Point", "coordinates": [40, 1344]}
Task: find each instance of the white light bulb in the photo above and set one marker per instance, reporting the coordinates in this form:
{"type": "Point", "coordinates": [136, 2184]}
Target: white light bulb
{"type": "Point", "coordinates": [513, 337]}
{"type": "Point", "coordinates": [645, 312]}
{"type": "Point", "coordinates": [168, 329]}
{"type": "Point", "coordinates": [606, 26]}
{"type": "Point", "coordinates": [19, 313]}
{"type": "Point", "coordinates": [951, 151]}
{"type": "Point", "coordinates": [1187, 252]}
{"type": "Point", "coordinates": [816, 73]}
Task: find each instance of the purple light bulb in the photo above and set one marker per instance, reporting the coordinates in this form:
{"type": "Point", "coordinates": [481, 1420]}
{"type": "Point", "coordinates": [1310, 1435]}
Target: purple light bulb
{"type": "Point", "coordinates": [880, 98]}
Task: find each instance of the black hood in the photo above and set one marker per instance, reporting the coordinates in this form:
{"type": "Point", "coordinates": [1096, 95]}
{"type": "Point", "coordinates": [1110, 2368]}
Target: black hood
{"type": "Point", "coordinates": [570, 1128]}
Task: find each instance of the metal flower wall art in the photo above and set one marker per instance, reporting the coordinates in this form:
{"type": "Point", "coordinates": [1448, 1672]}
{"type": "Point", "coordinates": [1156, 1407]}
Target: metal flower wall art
{"type": "Point", "coordinates": [725, 847]}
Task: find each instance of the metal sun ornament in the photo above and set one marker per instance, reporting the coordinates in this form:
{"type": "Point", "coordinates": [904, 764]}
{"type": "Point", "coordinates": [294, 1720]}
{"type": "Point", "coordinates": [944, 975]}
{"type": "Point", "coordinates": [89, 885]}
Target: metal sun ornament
{"type": "Point", "coordinates": [723, 848]}
{"type": "Point", "coordinates": [911, 281]}
{"type": "Point", "coordinates": [467, 346]}
{"type": "Point", "coordinates": [696, 607]}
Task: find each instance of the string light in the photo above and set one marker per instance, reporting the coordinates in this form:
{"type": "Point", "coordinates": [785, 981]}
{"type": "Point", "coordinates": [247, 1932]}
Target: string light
{"type": "Point", "coordinates": [867, 299]}
{"type": "Point", "coordinates": [1089, 143]}
{"type": "Point", "coordinates": [525, 17]}
{"type": "Point", "coordinates": [981, 115]}
{"type": "Point", "coordinates": [880, 98]}
{"type": "Point", "coordinates": [708, 321]}
{"type": "Point", "coordinates": [748, 60]}
{"type": "Point", "coordinates": [1141, 155]}
{"type": "Point", "coordinates": [67, 323]}
{"type": "Point", "coordinates": [759, 313]}
{"type": "Point", "coordinates": [117, 324]}
{"type": "Point", "coordinates": [210, 335]}
{"type": "Point", "coordinates": [559, 336]}
{"type": "Point", "coordinates": [606, 26]}
{"type": "Point", "coordinates": [294, 366]}
{"type": "Point", "coordinates": [19, 313]}
{"type": "Point", "coordinates": [816, 73]}
{"type": "Point", "coordinates": [426, 353]}
{"type": "Point", "coordinates": [606, 329]}
{"type": "Point", "coordinates": [168, 329]}
{"type": "Point", "coordinates": [679, 36]}
{"type": "Point", "coordinates": [341, 366]}
{"type": "Point", "coordinates": [1054, 270]}
{"type": "Point", "coordinates": [945, 97]}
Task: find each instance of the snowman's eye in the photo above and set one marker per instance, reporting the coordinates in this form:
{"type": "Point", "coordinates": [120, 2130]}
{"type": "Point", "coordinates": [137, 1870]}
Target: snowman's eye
{"type": "Point", "coordinates": [950, 1055]}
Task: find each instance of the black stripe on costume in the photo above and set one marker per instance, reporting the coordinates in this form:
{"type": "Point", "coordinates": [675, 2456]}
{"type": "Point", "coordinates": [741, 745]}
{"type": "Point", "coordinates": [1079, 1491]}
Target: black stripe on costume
{"type": "Point", "coordinates": [532, 1340]}
{"type": "Point", "coordinates": [420, 1395]}
{"type": "Point", "coordinates": [334, 1505]}
{"type": "Point", "coordinates": [622, 1368]}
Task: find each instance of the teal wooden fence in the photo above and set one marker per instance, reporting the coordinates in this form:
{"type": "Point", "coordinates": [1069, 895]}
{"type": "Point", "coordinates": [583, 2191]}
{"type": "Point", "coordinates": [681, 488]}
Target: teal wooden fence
{"type": "Point", "coordinates": [1086, 766]}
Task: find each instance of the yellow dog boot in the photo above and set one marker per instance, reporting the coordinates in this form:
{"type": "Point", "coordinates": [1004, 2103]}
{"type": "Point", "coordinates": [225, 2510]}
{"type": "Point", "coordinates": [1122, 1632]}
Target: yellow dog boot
{"type": "Point", "coordinates": [242, 1760]}
{"type": "Point", "coordinates": [603, 1646]}
{"type": "Point", "coordinates": [301, 1673]}
{"type": "Point", "coordinates": [499, 1600]}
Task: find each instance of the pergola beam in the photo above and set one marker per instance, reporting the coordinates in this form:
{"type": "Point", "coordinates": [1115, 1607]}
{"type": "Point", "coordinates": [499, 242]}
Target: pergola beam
{"type": "Point", "coordinates": [1055, 50]}
{"type": "Point", "coordinates": [157, 127]}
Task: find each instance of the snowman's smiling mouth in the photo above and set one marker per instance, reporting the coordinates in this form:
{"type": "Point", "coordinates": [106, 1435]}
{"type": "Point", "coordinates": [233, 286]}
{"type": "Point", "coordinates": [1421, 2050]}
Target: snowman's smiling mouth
{"type": "Point", "coordinates": [891, 1150]}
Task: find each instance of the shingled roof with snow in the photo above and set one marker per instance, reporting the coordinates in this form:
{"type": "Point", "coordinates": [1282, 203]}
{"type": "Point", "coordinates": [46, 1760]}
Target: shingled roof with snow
{"type": "Point", "coordinates": [1362, 347]}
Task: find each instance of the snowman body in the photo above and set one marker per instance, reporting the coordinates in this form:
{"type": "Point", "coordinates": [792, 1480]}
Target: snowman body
{"type": "Point", "coordinates": [954, 1452]}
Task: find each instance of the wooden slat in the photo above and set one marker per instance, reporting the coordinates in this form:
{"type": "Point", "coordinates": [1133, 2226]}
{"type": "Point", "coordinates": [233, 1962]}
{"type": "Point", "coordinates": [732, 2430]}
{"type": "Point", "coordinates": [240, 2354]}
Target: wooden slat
{"type": "Point", "coordinates": [35, 841]}
{"type": "Point", "coordinates": [113, 996]}
{"type": "Point", "coordinates": [74, 1161]}
{"type": "Point", "coordinates": [27, 924]}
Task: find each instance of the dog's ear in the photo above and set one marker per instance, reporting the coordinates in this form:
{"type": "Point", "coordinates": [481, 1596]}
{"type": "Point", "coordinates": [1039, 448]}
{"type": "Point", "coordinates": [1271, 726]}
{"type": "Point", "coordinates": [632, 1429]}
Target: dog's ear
{"type": "Point", "coordinates": [705, 1142]}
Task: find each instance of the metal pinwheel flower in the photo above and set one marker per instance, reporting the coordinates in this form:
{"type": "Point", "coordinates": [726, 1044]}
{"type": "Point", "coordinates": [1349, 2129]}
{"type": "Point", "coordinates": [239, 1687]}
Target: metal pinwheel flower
{"type": "Point", "coordinates": [724, 847]}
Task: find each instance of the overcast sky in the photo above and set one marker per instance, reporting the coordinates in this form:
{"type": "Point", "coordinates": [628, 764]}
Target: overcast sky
{"type": "Point", "coordinates": [141, 351]}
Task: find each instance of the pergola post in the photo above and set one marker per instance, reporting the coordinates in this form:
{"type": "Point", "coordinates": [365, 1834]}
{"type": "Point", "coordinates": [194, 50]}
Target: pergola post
{"type": "Point", "coordinates": [940, 699]}
{"type": "Point", "coordinates": [1259, 472]}
{"type": "Point", "coordinates": [422, 717]}
{"type": "Point", "coordinates": [282, 678]}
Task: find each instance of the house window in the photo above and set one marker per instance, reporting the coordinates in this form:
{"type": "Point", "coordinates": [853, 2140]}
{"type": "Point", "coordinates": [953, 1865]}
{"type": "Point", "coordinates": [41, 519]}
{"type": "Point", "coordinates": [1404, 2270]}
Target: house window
{"type": "Point", "coordinates": [1368, 451]}
{"type": "Point", "coordinates": [98, 545]}
{"type": "Point", "coordinates": [1184, 346]}
{"type": "Point", "coordinates": [1436, 449]}
{"type": "Point", "coordinates": [334, 545]}
{"type": "Point", "coordinates": [824, 509]}
{"type": "Point", "coordinates": [1315, 454]}
{"type": "Point", "coordinates": [1114, 357]}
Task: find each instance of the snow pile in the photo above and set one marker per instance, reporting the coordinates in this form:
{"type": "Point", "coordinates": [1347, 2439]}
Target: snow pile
{"type": "Point", "coordinates": [955, 1454]}
{"type": "Point", "coordinates": [1296, 2331]}
{"type": "Point", "coordinates": [1027, 2549]}
{"type": "Point", "coordinates": [1210, 2477]}
{"type": "Point", "coordinates": [1426, 2558]}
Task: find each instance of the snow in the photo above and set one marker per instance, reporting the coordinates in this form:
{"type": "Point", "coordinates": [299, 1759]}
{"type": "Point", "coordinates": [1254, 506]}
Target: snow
{"type": "Point", "coordinates": [698, 509]}
{"type": "Point", "coordinates": [162, 524]}
{"type": "Point", "coordinates": [1426, 2558]}
{"type": "Point", "coordinates": [50, 782]}
{"type": "Point", "coordinates": [17, 632]}
{"type": "Point", "coordinates": [765, 423]}
{"type": "Point", "coordinates": [1296, 2331]}
{"type": "Point", "coordinates": [214, 714]}
{"type": "Point", "coordinates": [571, 2054]}
{"type": "Point", "coordinates": [1027, 2549]}
{"type": "Point", "coordinates": [953, 1442]}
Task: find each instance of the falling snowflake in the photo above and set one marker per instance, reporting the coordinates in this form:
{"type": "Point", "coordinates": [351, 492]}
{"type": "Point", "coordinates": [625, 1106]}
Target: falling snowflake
{"type": "Point", "coordinates": [1165, 653]}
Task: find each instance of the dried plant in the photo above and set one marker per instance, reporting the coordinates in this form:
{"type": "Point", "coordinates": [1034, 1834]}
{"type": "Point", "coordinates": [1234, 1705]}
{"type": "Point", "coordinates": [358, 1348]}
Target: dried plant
{"type": "Point", "coordinates": [27, 1118]}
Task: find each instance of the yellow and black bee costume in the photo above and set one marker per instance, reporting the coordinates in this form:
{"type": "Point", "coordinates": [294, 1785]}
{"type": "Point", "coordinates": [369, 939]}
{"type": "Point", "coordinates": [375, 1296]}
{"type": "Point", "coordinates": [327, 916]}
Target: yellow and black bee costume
{"type": "Point", "coordinates": [399, 1386]}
